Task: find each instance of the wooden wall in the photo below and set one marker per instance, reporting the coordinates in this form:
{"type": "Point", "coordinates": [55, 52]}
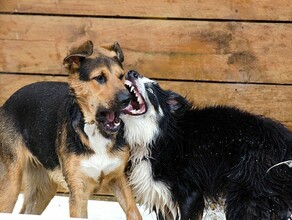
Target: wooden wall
{"type": "Point", "coordinates": [235, 52]}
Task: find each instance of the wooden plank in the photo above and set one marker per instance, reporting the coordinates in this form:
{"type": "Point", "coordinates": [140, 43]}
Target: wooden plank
{"type": "Point", "coordinates": [269, 100]}
{"type": "Point", "coordinates": [207, 9]}
{"type": "Point", "coordinates": [165, 49]}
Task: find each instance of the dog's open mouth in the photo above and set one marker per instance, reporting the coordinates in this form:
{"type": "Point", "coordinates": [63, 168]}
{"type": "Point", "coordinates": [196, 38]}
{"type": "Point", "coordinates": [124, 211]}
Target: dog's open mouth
{"type": "Point", "coordinates": [109, 121]}
{"type": "Point", "coordinates": [137, 105]}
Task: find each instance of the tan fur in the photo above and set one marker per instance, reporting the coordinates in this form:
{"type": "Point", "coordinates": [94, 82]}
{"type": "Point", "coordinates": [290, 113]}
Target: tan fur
{"type": "Point", "coordinates": [89, 94]}
{"type": "Point", "coordinates": [19, 167]}
{"type": "Point", "coordinates": [12, 155]}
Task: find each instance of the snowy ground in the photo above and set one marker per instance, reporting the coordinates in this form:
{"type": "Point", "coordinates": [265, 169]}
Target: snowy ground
{"type": "Point", "coordinates": [59, 209]}
{"type": "Point", "coordinates": [97, 210]}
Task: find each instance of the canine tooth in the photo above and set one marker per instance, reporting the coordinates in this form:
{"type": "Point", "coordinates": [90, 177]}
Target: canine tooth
{"type": "Point", "coordinates": [132, 88]}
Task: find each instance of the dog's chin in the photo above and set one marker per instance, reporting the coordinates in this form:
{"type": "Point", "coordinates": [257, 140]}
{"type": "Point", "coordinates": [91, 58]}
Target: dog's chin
{"type": "Point", "coordinates": [109, 122]}
{"type": "Point", "coordinates": [137, 106]}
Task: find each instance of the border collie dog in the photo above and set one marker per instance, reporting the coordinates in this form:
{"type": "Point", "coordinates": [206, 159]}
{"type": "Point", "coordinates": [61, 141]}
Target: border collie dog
{"type": "Point", "coordinates": [182, 155]}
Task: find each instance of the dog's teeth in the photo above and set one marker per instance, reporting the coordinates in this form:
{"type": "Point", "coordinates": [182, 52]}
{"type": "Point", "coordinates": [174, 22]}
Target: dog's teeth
{"type": "Point", "coordinates": [132, 88]}
{"type": "Point", "coordinates": [128, 83]}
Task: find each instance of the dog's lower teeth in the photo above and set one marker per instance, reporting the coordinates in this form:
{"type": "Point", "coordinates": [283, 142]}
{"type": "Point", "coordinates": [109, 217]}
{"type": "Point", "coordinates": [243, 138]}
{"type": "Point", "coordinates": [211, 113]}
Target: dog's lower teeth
{"type": "Point", "coordinates": [135, 111]}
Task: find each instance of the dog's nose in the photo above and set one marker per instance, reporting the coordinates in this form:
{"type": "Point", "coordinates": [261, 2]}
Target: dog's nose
{"type": "Point", "coordinates": [124, 98]}
{"type": "Point", "coordinates": [132, 74]}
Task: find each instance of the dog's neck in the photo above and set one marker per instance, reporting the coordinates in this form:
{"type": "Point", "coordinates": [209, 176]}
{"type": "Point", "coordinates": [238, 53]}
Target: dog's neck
{"type": "Point", "coordinates": [140, 133]}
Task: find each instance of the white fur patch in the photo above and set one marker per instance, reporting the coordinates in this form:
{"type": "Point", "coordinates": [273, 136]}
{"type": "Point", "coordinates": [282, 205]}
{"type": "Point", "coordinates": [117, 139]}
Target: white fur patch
{"type": "Point", "coordinates": [140, 132]}
{"type": "Point", "coordinates": [100, 161]}
{"type": "Point", "coordinates": [151, 193]}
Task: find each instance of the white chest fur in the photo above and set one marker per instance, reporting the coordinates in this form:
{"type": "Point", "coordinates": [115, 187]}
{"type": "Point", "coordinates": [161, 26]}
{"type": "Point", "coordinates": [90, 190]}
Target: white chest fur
{"type": "Point", "coordinates": [153, 194]}
{"type": "Point", "coordinates": [100, 161]}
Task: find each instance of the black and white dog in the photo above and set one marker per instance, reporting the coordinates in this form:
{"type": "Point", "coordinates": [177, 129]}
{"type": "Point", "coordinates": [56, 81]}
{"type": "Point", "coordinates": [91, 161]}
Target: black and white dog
{"type": "Point", "coordinates": [181, 155]}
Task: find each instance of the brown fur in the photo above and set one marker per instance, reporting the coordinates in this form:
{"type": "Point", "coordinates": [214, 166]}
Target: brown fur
{"type": "Point", "coordinates": [18, 167]}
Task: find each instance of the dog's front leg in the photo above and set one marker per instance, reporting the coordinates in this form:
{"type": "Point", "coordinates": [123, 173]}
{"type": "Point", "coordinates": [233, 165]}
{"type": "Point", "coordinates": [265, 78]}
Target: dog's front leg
{"type": "Point", "coordinates": [124, 196]}
{"type": "Point", "coordinates": [78, 205]}
{"type": "Point", "coordinates": [80, 192]}
{"type": "Point", "coordinates": [80, 187]}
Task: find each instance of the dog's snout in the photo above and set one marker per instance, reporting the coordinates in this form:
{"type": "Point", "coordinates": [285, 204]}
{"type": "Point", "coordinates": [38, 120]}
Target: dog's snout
{"type": "Point", "coordinates": [132, 74]}
{"type": "Point", "coordinates": [124, 98]}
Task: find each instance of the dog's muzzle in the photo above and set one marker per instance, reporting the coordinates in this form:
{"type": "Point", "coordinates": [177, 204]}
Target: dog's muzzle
{"type": "Point", "coordinates": [137, 105]}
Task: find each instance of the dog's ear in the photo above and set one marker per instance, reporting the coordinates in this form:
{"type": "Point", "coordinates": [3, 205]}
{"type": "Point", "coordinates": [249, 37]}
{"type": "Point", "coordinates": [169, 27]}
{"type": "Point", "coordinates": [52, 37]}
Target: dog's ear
{"type": "Point", "coordinates": [115, 47]}
{"type": "Point", "coordinates": [72, 61]}
{"type": "Point", "coordinates": [177, 103]}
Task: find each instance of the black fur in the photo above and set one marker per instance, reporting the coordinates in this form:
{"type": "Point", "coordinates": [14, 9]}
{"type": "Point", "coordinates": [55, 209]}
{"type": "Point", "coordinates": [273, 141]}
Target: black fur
{"type": "Point", "coordinates": [220, 150]}
{"type": "Point", "coordinates": [34, 109]}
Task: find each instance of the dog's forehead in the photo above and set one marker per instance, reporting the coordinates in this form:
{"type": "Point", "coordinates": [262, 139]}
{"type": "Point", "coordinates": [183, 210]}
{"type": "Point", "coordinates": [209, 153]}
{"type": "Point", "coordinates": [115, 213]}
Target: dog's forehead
{"type": "Point", "coordinates": [97, 64]}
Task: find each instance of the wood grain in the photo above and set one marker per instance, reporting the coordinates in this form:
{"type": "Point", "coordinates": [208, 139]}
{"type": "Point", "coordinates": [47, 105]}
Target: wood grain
{"type": "Point", "coordinates": [198, 9]}
{"type": "Point", "coordinates": [169, 49]}
{"type": "Point", "coordinates": [269, 100]}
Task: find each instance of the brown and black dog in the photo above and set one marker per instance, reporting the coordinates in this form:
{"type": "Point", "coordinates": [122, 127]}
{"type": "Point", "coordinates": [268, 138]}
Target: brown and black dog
{"type": "Point", "coordinates": [67, 133]}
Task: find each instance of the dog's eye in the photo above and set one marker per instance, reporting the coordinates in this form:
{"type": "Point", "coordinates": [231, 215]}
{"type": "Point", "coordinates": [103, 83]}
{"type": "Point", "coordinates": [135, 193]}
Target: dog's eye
{"type": "Point", "coordinates": [100, 78]}
{"type": "Point", "coordinates": [121, 76]}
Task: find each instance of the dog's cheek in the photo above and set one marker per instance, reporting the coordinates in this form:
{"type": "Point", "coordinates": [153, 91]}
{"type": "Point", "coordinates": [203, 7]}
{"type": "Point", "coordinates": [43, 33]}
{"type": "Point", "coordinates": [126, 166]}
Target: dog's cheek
{"type": "Point", "coordinates": [153, 100]}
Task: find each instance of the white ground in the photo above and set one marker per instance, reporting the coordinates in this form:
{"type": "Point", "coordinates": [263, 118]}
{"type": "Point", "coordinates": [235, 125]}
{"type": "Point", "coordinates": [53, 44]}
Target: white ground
{"type": "Point", "coordinates": [59, 209]}
{"type": "Point", "coordinates": [97, 210]}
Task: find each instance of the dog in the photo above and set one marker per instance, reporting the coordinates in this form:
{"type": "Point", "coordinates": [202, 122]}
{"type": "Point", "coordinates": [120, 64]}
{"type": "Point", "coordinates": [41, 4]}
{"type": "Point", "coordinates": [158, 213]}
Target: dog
{"type": "Point", "coordinates": [182, 155]}
{"type": "Point", "coordinates": [55, 133]}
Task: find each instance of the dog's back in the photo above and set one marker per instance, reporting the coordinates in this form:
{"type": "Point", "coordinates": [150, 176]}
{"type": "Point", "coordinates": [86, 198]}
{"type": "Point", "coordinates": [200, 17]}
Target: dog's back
{"type": "Point", "coordinates": [33, 111]}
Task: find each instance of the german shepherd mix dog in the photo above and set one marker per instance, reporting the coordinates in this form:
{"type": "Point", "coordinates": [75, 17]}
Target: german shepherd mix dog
{"type": "Point", "coordinates": [67, 133]}
{"type": "Point", "coordinates": [182, 155]}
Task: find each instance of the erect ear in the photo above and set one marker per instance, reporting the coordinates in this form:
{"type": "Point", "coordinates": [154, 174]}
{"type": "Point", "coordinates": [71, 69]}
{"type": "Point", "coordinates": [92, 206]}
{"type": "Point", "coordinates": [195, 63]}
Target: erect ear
{"type": "Point", "coordinates": [72, 61]}
{"type": "Point", "coordinates": [115, 47]}
{"type": "Point", "coordinates": [176, 102]}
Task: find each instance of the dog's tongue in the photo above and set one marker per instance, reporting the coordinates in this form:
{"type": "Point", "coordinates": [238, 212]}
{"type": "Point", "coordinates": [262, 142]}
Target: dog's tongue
{"type": "Point", "coordinates": [110, 116]}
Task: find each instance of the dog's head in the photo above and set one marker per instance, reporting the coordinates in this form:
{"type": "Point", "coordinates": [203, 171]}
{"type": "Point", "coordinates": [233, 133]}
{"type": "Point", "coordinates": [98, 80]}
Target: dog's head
{"type": "Point", "coordinates": [96, 80]}
{"type": "Point", "coordinates": [151, 108]}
